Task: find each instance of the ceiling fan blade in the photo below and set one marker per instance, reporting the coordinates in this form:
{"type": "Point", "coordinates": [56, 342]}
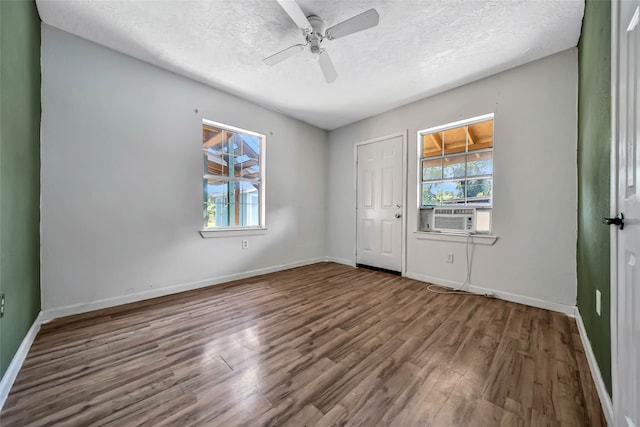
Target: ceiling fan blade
{"type": "Point", "coordinates": [329, 71]}
{"type": "Point", "coordinates": [296, 14]}
{"type": "Point", "coordinates": [360, 22]}
{"type": "Point", "coordinates": [283, 54]}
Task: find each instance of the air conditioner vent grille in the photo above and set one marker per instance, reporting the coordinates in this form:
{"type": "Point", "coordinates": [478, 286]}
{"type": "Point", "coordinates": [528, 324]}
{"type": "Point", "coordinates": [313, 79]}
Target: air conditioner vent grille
{"type": "Point", "coordinates": [455, 211]}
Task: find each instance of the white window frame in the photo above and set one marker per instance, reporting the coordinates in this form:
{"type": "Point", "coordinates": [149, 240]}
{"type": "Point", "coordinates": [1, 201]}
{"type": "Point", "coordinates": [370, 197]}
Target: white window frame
{"type": "Point", "coordinates": [247, 230]}
{"type": "Point", "coordinates": [419, 148]}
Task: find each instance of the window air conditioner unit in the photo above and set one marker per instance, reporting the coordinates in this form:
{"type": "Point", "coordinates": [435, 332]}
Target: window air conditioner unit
{"type": "Point", "coordinates": [454, 220]}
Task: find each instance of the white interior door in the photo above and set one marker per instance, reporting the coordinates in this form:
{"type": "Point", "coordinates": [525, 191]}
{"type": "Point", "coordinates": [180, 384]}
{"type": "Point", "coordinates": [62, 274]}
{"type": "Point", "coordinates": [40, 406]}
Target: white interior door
{"type": "Point", "coordinates": [379, 209]}
{"type": "Point", "coordinates": [627, 395]}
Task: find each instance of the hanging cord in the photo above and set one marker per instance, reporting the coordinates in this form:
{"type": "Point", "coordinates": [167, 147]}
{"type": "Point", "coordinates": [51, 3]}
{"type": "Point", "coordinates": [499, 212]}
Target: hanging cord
{"type": "Point", "coordinates": [458, 290]}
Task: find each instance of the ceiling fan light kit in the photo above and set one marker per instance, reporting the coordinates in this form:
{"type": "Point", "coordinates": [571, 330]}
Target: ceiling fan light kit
{"type": "Point", "coordinates": [313, 30]}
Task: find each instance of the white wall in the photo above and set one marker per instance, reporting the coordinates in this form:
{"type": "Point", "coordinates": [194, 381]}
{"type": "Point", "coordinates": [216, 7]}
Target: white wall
{"type": "Point", "coordinates": [535, 194]}
{"type": "Point", "coordinates": [122, 181]}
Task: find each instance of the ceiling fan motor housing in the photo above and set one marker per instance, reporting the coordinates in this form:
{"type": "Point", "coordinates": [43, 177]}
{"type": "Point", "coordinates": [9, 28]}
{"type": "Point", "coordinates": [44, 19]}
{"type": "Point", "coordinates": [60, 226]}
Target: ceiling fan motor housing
{"type": "Point", "coordinates": [316, 36]}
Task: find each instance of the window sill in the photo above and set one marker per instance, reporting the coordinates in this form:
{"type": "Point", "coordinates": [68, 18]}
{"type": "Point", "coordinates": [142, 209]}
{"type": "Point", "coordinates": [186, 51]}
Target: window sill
{"type": "Point", "coordinates": [478, 239]}
{"type": "Point", "coordinates": [231, 232]}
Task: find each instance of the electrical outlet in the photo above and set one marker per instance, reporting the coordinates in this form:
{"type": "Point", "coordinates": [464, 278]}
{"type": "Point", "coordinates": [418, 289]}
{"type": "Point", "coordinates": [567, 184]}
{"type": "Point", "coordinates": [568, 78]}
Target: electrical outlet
{"type": "Point", "coordinates": [1, 305]}
{"type": "Point", "coordinates": [450, 258]}
{"type": "Point", "coordinates": [245, 244]}
{"type": "Point", "coordinates": [598, 302]}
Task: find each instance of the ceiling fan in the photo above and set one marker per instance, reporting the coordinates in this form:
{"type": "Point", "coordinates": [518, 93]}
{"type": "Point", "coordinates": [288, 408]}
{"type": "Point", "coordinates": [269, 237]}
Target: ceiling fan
{"type": "Point", "coordinates": [313, 30]}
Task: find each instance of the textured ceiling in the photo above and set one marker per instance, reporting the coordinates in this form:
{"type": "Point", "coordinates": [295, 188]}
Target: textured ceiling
{"type": "Point", "coordinates": [419, 48]}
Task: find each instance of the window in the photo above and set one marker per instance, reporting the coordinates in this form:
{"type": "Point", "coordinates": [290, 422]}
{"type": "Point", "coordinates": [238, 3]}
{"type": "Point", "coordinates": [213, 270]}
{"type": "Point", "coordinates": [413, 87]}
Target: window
{"type": "Point", "coordinates": [456, 169]}
{"type": "Point", "coordinates": [233, 177]}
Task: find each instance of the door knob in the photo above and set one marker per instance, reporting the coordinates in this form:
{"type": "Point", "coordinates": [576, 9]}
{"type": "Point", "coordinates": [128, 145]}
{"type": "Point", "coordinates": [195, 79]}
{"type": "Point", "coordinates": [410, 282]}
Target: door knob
{"type": "Point", "coordinates": [398, 215]}
{"type": "Point", "coordinates": [618, 220]}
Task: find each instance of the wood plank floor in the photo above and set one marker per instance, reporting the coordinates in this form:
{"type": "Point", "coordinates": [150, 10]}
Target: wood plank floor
{"type": "Point", "coordinates": [319, 345]}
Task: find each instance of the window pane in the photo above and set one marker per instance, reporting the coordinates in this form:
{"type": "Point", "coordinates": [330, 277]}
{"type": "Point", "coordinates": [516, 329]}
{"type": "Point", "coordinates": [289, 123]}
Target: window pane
{"type": "Point", "coordinates": [234, 157]}
{"type": "Point", "coordinates": [432, 144]}
{"type": "Point", "coordinates": [234, 204]}
{"type": "Point", "coordinates": [246, 156]}
{"type": "Point", "coordinates": [248, 209]}
{"type": "Point", "coordinates": [216, 204]}
{"type": "Point", "coordinates": [453, 192]}
{"type": "Point", "coordinates": [247, 162]}
{"type": "Point", "coordinates": [479, 190]}
{"type": "Point", "coordinates": [454, 167]}
{"type": "Point", "coordinates": [480, 163]}
{"type": "Point", "coordinates": [230, 153]}
{"type": "Point", "coordinates": [212, 139]}
{"type": "Point", "coordinates": [214, 149]}
{"type": "Point", "coordinates": [481, 135]}
{"type": "Point", "coordinates": [431, 193]}
{"type": "Point", "coordinates": [431, 169]}
{"type": "Point", "coordinates": [455, 140]}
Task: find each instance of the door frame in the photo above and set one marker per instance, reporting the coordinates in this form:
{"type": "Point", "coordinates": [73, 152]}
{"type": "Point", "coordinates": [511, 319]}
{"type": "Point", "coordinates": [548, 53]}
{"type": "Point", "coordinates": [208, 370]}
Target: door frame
{"type": "Point", "coordinates": [403, 233]}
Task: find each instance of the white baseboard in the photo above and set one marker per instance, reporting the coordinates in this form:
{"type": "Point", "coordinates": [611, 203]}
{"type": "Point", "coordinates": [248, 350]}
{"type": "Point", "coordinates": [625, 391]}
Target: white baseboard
{"type": "Point", "coordinates": [603, 394]}
{"type": "Point", "coordinates": [54, 313]}
{"type": "Point", "coordinates": [341, 261]}
{"type": "Point", "coordinates": [18, 359]}
{"type": "Point", "coordinates": [507, 296]}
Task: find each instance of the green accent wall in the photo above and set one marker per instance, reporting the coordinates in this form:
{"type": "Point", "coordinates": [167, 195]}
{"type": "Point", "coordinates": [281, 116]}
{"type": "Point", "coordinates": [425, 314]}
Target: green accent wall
{"type": "Point", "coordinates": [19, 172]}
{"type": "Point", "coordinates": [594, 148]}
